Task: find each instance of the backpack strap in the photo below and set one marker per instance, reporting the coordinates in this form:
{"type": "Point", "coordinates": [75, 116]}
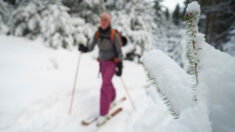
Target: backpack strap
{"type": "Point", "coordinates": [113, 36]}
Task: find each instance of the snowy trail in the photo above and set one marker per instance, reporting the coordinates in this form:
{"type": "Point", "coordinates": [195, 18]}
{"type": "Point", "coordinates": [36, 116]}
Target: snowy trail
{"type": "Point", "coordinates": [36, 85]}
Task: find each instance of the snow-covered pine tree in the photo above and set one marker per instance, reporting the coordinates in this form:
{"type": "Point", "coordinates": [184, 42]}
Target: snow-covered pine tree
{"type": "Point", "coordinates": [4, 13]}
{"type": "Point", "coordinates": [192, 19]}
{"type": "Point", "coordinates": [25, 19]}
{"type": "Point", "coordinates": [56, 25]}
{"type": "Point", "coordinates": [89, 10]}
{"type": "Point", "coordinates": [177, 15]}
{"type": "Point", "coordinates": [48, 19]}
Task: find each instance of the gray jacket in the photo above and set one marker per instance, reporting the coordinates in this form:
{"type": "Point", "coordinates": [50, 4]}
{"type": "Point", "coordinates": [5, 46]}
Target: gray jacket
{"type": "Point", "coordinates": [107, 50]}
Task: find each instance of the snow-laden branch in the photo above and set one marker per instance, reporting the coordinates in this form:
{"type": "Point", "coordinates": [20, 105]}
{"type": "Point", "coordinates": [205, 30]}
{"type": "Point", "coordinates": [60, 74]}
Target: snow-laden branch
{"type": "Point", "coordinates": [173, 81]}
{"type": "Point", "coordinates": [192, 19]}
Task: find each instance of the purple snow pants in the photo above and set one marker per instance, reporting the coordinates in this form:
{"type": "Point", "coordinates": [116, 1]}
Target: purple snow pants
{"type": "Point", "coordinates": [108, 93]}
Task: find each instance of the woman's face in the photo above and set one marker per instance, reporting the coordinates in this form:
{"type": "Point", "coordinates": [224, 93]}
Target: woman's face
{"type": "Point", "coordinates": [104, 22]}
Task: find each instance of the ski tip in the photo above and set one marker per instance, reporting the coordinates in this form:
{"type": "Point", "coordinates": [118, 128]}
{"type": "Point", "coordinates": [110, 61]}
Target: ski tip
{"type": "Point", "coordinates": [85, 123]}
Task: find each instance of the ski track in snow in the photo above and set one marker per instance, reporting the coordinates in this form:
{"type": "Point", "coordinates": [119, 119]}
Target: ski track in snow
{"type": "Point", "coordinates": [36, 85]}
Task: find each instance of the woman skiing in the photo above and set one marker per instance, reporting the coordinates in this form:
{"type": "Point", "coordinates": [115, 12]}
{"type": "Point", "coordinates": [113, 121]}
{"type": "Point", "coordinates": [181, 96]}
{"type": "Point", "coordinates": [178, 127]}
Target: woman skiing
{"type": "Point", "coordinates": [110, 61]}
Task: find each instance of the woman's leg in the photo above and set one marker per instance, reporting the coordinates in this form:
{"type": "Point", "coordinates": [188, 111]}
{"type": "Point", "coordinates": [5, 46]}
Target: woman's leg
{"type": "Point", "coordinates": [108, 93]}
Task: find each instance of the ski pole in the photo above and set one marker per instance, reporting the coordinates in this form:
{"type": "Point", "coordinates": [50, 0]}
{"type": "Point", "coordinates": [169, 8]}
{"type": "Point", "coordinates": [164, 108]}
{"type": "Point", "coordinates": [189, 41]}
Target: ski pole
{"type": "Point", "coordinates": [74, 84]}
{"type": "Point", "coordinates": [131, 101]}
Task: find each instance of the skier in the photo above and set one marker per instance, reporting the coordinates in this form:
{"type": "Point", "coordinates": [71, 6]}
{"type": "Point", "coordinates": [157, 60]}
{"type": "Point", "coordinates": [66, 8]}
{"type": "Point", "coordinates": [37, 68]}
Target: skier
{"type": "Point", "coordinates": [110, 61]}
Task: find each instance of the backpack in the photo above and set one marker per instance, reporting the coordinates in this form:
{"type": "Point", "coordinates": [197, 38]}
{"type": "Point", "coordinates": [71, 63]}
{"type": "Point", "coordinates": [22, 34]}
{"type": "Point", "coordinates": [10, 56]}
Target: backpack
{"type": "Point", "coordinates": [112, 35]}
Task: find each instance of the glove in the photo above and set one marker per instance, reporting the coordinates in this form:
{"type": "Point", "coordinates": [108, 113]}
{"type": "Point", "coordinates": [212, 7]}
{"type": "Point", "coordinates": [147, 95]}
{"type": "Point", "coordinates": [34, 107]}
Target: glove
{"type": "Point", "coordinates": [83, 48]}
{"type": "Point", "coordinates": [119, 68]}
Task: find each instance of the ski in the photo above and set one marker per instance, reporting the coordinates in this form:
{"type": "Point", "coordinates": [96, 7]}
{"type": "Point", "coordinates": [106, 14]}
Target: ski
{"type": "Point", "coordinates": [113, 114]}
{"type": "Point", "coordinates": [91, 120]}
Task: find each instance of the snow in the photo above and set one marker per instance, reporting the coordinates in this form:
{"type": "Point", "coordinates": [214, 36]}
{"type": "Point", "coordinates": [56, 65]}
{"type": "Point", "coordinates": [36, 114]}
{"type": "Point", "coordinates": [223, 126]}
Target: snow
{"type": "Point", "coordinates": [36, 81]}
{"type": "Point", "coordinates": [193, 119]}
{"type": "Point", "coordinates": [216, 79]}
{"type": "Point", "coordinates": [214, 109]}
{"type": "Point", "coordinates": [36, 84]}
{"type": "Point", "coordinates": [217, 87]}
{"type": "Point", "coordinates": [193, 7]}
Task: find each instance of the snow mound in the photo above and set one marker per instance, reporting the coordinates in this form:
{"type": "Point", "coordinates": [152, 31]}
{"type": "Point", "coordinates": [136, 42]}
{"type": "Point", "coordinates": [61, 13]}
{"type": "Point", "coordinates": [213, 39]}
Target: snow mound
{"type": "Point", "coordinates": [217, 86]}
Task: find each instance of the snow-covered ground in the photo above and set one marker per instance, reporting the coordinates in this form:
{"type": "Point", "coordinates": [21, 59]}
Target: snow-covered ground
{"type": "Point", "coordinates": [36, 84]}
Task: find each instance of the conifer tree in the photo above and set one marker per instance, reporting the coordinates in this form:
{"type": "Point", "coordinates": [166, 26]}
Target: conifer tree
{"type": "Point", "coordinates": [4, 13]}
{"type": "Point", "coordinates": [176, 15]}
{"type": "Point", "coordinates": [167, 14]}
